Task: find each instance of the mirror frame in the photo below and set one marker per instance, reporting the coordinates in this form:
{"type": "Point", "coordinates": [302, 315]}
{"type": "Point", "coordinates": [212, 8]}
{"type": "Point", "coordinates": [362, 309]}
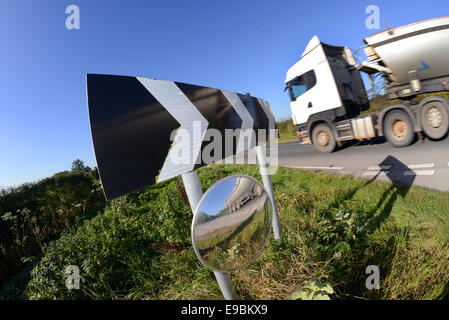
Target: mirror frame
{"type": "Point", "coordinates": [195, 218]}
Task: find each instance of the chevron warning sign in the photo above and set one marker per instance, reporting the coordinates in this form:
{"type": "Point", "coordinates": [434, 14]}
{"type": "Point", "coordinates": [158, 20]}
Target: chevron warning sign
{"type": "Point", "coordinates": [145, 130]}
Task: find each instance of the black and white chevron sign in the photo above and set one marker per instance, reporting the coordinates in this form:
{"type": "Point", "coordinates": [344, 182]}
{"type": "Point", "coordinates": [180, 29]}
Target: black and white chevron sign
{"type": "Point", "coordinates": [137, 124]}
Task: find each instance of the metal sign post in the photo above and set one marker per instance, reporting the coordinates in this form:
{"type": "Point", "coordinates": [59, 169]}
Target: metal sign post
{"type": "Point", "coordinates": [192, 184]}
{"type": "Point", "coordinates": [265, 173]}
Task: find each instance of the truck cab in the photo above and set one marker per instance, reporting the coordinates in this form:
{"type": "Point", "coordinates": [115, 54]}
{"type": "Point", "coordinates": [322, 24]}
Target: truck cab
{"type": "Point", "coordinates": [324, 87]}
{"type": "Point", "coordinates": [325, 80]}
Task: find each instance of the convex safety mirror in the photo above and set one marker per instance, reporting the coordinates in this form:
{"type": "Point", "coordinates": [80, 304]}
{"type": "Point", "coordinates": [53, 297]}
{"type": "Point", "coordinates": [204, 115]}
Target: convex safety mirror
{"type": "Point", "coordinates": [232, 223]}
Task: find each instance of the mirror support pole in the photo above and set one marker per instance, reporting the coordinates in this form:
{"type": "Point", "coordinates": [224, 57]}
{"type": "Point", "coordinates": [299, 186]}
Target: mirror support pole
{"type": "Point", "coordinates": [225, 283]}
{"type": "Point", "coordinates": [265, 173]}
{"type": "Point", "coordinates": [194, 192]}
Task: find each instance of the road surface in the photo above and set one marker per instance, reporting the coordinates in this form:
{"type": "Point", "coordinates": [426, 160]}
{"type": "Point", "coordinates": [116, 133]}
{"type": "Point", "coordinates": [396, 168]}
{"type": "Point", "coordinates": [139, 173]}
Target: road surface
{"type": "Point", "coordinates": [224, 223]}
{"type": "Point", "coordinates": [425, 163]}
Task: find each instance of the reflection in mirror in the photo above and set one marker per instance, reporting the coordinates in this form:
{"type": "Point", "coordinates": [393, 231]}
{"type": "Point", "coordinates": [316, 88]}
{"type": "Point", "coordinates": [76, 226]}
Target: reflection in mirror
{"type": "Point", "coordinates": [232, 223]}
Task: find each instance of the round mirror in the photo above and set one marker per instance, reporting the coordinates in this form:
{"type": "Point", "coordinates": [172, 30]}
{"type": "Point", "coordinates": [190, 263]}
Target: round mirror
{"type": "Point", "coordinates": [232, 223]}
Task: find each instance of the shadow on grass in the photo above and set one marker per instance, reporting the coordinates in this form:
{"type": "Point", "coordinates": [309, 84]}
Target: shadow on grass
{"type": "Point", "coordinates": [363, 253]}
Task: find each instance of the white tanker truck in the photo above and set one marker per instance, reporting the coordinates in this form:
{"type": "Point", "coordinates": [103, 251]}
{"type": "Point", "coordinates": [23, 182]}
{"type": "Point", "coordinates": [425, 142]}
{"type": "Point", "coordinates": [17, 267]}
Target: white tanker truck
{"type": "Point", "coordinates": [328, 95]}
{"type": "Point", "coordinates": [244, 190]}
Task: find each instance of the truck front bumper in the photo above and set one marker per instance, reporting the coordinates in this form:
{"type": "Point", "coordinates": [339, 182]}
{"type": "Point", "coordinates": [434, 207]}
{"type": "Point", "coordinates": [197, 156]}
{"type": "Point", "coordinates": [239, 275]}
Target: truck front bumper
{"type": "Point", "coordinates": [303, 137]}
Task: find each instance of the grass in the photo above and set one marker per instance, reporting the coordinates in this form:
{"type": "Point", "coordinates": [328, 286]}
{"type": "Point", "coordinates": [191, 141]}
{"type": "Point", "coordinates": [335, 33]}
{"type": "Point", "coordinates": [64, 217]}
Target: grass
{"type": "Point", "coordinates": [333, 227]}
{"type": "Point", "coordinates": [236, 246]}
{"type": "Point", "coordinates": [287, 131]}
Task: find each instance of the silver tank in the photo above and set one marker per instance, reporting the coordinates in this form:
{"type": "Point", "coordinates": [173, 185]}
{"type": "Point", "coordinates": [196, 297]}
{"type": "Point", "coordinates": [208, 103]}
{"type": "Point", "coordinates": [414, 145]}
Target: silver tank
{"type": "Point", "coordinates": [418, 50]}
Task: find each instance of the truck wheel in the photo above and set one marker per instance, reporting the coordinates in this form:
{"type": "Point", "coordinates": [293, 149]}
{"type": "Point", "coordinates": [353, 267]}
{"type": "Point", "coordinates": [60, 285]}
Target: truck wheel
{"type": "Point", "coordinates": [434, 119]}
{"type": "Point", "coordinates": [323, 138]}
{"type": "Point", "coordinates": [398, 128]}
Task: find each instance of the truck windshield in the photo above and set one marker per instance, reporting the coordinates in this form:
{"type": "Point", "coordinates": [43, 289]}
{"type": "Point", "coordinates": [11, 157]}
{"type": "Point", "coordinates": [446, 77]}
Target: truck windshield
{"type": "Point", "coordinates": [301, 84]}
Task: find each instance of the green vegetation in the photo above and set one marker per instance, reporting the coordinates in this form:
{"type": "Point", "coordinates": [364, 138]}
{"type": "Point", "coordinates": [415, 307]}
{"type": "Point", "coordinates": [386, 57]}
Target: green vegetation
{"type": "Point", "coordinates": [287, 131]}
{"type": "Point", "coordinates": [33, 214]}
{"type": "Point", "coordinates": [313, 291]}
{"type": "Point", "coordinates": [334, 226]}
{"type": "Point", "coordinates": [380, 101]}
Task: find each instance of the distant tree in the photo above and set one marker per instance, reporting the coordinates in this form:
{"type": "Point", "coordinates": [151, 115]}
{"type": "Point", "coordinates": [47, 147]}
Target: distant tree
{"type": "Point", "coordinates": [78, 166]}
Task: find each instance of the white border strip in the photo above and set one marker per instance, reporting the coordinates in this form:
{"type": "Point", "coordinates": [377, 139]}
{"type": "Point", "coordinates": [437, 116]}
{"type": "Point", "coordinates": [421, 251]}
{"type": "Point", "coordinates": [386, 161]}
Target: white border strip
{"type": "Point", "coordinates": [423, 165]}
{"type": "Point", "coordinates": [379, 167]}
{"type": "Point", "coordinates": [420, 173]}
{"type": "Point", "coordinates": [373, 173]}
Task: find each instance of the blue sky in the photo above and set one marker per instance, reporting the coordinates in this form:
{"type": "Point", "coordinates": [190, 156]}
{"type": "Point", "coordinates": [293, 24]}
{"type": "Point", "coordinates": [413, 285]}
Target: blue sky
{"type": "Point", "coordinates": [243, 46]}
{"type": "Point", "coordinates": [215, 202]}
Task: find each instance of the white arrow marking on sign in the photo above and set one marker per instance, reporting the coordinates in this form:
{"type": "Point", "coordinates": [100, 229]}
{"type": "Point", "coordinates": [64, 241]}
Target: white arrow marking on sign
{"type": "Point", "coordinates": [181, 108]}
{"type": "Point", "coordinates": [271, 119]}
{"type": "Point", "coordinates": [247, 120]}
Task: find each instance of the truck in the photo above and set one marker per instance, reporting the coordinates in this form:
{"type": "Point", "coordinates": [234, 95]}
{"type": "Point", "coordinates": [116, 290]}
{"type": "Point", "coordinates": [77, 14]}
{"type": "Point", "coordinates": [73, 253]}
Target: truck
{"type": "Point", "coordinates": [244, 191]}
{"type": "Point", "coordinates": [329, 102]}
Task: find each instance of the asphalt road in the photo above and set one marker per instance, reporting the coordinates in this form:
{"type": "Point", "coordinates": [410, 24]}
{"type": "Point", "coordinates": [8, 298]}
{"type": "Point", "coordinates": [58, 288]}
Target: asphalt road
{"type": "Point", "coordinates": [424, 163]}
